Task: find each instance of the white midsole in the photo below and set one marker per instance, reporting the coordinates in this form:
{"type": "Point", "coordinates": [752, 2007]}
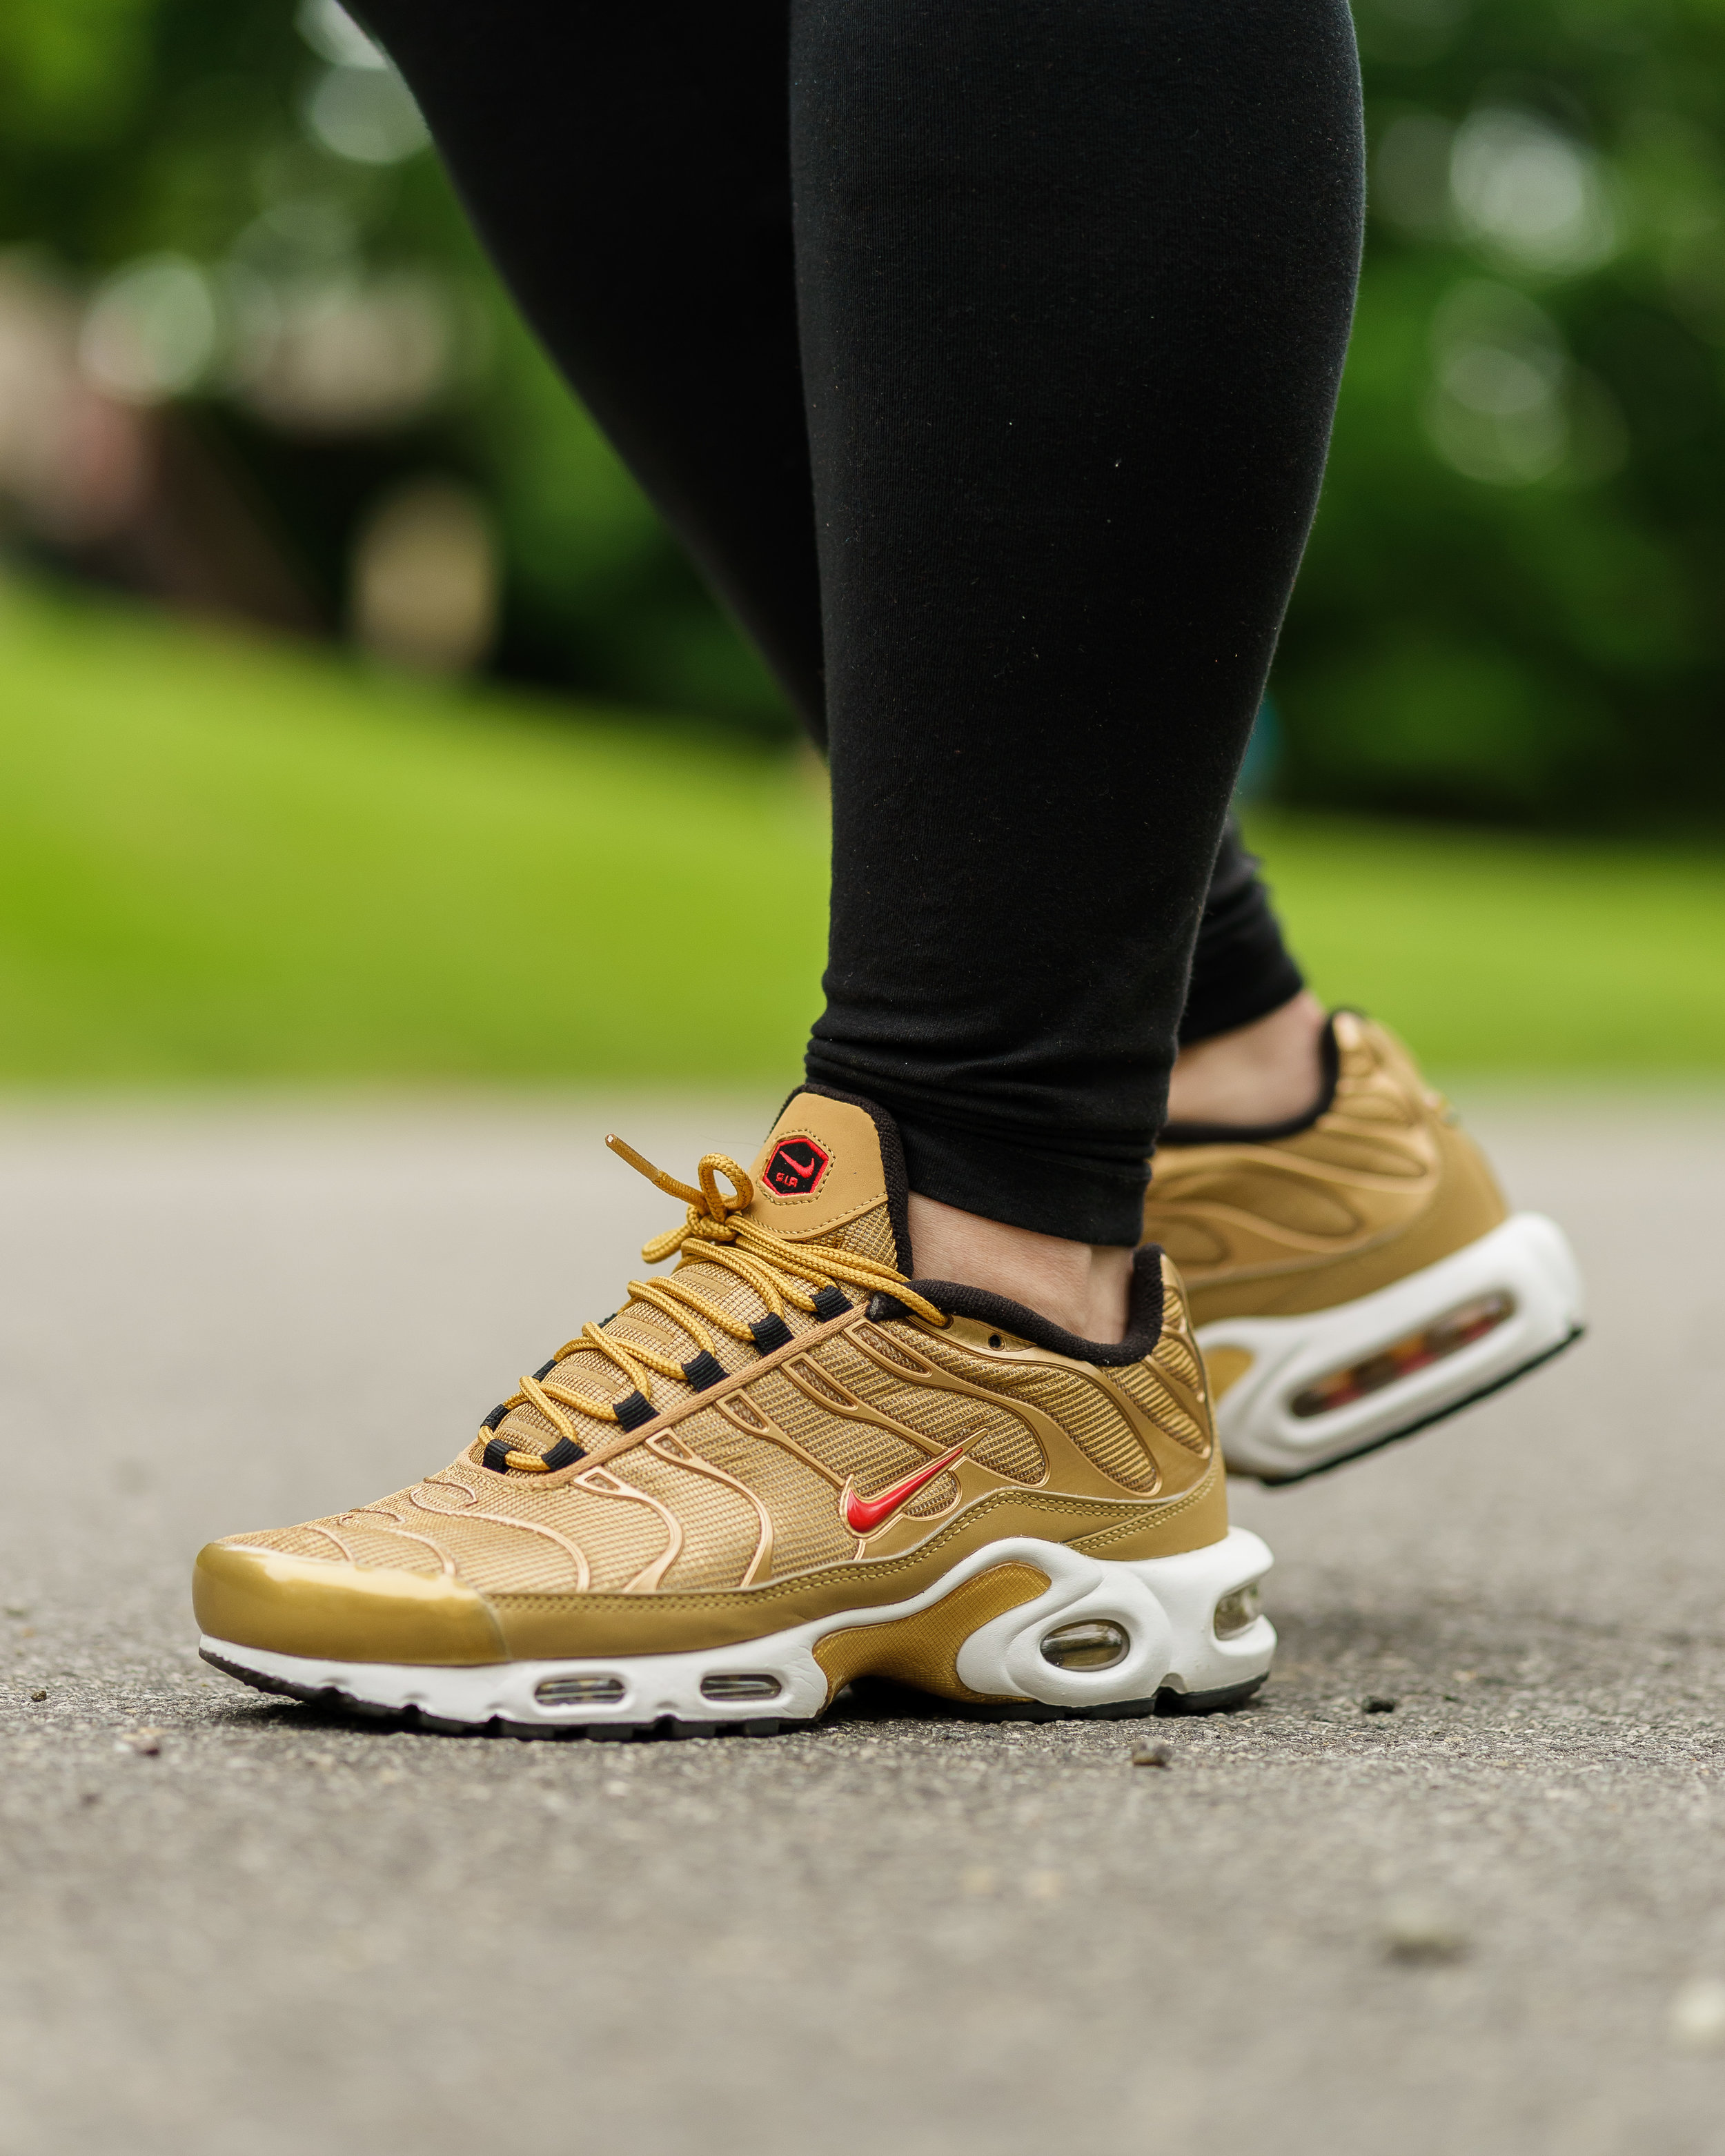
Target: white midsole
{"type": "Point", "coordinates": [1529, 1257]}
{"type": "Point", "coordinates": [1166, 1605]}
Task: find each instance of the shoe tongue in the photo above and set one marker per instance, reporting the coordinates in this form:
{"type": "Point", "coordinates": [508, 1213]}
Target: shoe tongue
{"type": "Point", "coordinates": [824, 1175]}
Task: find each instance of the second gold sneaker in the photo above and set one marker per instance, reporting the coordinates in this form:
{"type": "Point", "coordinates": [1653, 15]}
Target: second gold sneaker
{"type": "Point", "coordinates": [1354, 1274]}
{"type": "Point", "coordinates": [782, 1465]}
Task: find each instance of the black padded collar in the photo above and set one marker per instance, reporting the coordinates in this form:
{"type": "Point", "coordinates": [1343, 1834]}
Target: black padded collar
{"type": "Point", "coordinates": [1143, 1326]}
{"type": "Point", "coordinates": [1198, 1134]}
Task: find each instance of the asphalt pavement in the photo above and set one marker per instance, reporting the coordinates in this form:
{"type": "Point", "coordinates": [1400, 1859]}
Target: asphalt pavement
{"type": "Point", "coordinates": [1455, 1883]}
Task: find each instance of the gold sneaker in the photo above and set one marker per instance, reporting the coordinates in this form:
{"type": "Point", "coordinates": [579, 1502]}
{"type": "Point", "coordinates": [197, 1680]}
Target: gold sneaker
{"type": "Point", "coordinates": [1354, 1274]}
{"type": "Point", "coordinates": [778, 1467]}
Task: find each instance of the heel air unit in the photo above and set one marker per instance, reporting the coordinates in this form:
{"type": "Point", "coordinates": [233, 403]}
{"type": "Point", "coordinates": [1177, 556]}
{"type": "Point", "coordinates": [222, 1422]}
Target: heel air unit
{"type": "Point", "coordinates": [1302, 1394]}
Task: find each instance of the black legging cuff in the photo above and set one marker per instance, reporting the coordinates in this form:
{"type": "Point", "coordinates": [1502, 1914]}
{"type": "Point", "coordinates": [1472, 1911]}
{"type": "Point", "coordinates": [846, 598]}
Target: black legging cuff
{"type": "Point", "coordinates": [1093, 1192]}
{"type": "Point", "coordinates": [1241, 970]}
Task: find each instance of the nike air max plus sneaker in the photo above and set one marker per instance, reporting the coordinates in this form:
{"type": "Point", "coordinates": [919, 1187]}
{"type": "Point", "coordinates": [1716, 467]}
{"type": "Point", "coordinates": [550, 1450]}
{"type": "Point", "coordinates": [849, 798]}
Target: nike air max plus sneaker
{"type": "Point", "coordinates": [781, 1466]}
{"type": "Point", "coordinates": [1355, 1275]}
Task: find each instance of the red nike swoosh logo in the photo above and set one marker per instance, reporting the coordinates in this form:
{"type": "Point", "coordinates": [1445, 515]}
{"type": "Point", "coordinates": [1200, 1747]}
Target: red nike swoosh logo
{"type": "Point", "coordinates": [863, 1515]}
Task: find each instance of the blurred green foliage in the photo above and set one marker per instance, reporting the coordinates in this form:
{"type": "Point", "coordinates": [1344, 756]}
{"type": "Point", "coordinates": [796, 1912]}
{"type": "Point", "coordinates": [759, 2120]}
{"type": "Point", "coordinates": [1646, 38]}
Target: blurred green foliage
{"type": "Point", "coordinates": [1511, 606]}
{"type": "Point", "coordinates": [236, 858]}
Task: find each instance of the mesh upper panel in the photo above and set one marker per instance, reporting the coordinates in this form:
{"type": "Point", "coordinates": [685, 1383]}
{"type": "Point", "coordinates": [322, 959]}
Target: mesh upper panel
{"type": "Point", "coordinates": [621, 1536]}
{"type": "Point", "coordinates": [510, 1559]}
{"type": "Point", "coordinates": [866, 1455]}
{"type": "Point", "coordinates": [720, 1528]}
{"type": "Point", "coordinates": [1144, 1385]}
{"type": "Point", "coordinates": [1083, 1410]}
{"type": "Point", "coordinates": [804, 1506]}
{"type": "Point", "coordinates": [1177, 1352]}
{"type": "Point", "coordinates": [870, 1236]}
{"type": "Point", "coordinates": [933, 1499]}
{"type": "Point", "coordinates": [371, 1539]}
{"type": "Point", "coordinates": [298, 1542]}
{"type": "Point", "coordinates": [1010, 1447]}
{"type": "Point", "coordinates": [884, 1344]}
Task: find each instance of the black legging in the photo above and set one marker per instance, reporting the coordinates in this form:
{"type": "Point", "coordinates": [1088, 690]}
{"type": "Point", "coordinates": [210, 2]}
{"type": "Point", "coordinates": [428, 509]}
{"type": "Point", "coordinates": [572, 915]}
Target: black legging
{"type": "Point", "coordinates": [984, 354]}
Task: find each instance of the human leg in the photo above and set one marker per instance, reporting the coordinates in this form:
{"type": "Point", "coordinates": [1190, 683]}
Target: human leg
{"type": "Point", "coordinates": [631, 174]}
{"type": "Point", "coordinates": [1075, 286]}
{"type": "Point", "coordinates": [630, 171]}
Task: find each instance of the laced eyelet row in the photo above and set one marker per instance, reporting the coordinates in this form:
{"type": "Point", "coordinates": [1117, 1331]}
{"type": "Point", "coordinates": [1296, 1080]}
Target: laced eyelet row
{"type": "Point", "coordinates": [714, 1232]}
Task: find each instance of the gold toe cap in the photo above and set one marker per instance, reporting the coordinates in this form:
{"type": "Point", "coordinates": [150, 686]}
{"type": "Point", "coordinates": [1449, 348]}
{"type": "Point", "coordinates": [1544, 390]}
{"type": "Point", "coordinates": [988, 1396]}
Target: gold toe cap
{"type": "Point", "coordinates": [337, 1612]}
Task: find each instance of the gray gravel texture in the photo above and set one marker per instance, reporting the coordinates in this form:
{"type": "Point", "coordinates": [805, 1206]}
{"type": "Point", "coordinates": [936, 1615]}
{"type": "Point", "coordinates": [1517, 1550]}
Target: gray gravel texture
{"type": "Point", "coordinates": [1489, 1917]}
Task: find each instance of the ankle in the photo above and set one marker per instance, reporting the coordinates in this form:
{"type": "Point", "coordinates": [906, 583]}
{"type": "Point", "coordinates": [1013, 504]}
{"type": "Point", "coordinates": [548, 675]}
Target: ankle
{"type": "Point", "coordinates": [1085, 1286]}
{"type": "Point", "coordinates": [1266, 1072]}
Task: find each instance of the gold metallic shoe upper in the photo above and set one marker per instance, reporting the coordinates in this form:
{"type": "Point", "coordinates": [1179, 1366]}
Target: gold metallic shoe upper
{"type": "Point", "coordinates": [780, 1428]}
{"type": "Point", "coordinates": [1381, 1182]}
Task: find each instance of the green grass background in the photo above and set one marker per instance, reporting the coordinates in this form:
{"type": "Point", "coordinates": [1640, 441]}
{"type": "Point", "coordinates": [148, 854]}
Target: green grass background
{"type": "Point", "coordinates": [222, 859]}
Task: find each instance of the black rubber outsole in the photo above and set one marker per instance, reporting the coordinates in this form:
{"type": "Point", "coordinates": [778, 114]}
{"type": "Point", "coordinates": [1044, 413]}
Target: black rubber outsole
{"type": "Point", "coordinates": [880, 1696]}
{"type": "Point", "coordinates": [1413, 1429]}
{"type": "Point", "coordinates": [332, 1700]}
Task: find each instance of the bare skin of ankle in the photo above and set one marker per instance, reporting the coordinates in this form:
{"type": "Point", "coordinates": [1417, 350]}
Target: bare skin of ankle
{"type": "Point", "coordinates": [1085, 1286]}
{"type": "Point", "coordinates": [1266, 1072]}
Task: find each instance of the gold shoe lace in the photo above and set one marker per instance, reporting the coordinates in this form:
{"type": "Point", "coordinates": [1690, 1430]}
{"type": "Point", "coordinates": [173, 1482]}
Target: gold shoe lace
{"type": "Point", "coordinates": [810, 1279]}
